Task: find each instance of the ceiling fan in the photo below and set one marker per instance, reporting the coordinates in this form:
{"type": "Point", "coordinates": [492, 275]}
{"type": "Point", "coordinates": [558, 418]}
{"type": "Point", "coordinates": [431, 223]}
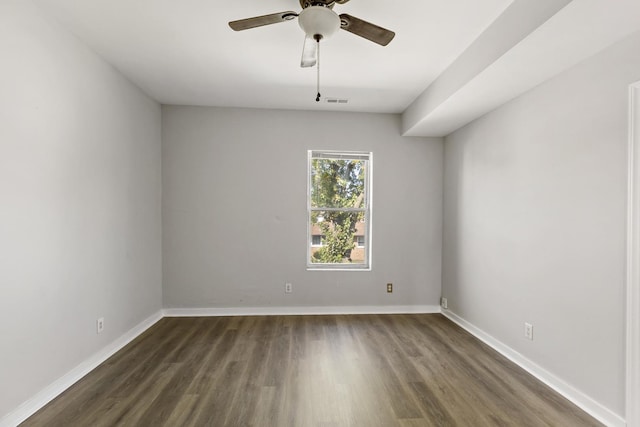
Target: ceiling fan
{"type": "Point", "coordinates": [318, 20]}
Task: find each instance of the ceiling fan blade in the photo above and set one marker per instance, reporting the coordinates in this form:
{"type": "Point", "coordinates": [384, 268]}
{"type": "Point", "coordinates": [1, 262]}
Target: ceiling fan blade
{"type": "Point", "coordinates": [366, 29]}
{"type": "Point", "coordinates": [259, 21]}
{"type": "Point", "coordinates": [309, 53]}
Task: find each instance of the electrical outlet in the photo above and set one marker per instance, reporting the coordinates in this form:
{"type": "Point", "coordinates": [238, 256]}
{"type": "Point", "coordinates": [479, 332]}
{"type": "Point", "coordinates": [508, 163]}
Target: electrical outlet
{"type": "Point", "coordinates": [288, 288]}
{"type": "Point", "coordinates": [100, 325]}
{"type": "Point", "coordinates": [389, 288]}
{"type": "Point", "coordinates": [443, 303]}
{"type": "Point", "coordinates": [528, 331]}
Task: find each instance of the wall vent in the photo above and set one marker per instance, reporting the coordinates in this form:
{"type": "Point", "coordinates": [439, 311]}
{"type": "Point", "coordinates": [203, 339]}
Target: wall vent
{"type": "Point", "coordinates": [336, 100]}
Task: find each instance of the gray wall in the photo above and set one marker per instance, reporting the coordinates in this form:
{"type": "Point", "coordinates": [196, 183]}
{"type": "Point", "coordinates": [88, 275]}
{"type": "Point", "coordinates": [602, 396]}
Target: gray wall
{"type": "Point", "coordinates": [80, 193]}
{"type": "Point", "coordinates": [534, 223]}
{"type": "Point", "coordinates": [234, 209]}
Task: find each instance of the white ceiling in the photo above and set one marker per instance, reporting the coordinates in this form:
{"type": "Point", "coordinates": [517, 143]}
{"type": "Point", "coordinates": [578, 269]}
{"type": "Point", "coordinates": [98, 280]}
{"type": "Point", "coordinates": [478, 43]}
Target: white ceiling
{"type": "Point", "coordinates": [183, 52]}
{"type": "Point", "coordinates": [447, 54]}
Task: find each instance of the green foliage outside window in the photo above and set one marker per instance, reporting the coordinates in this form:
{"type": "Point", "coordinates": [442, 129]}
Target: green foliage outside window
{"type": "Point", "coordinates": [337, 206]}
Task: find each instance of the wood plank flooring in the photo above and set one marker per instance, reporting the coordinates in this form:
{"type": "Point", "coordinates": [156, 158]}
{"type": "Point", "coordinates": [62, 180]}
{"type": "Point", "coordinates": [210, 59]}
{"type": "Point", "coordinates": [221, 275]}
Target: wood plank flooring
{"type": "Point", "coordinates": [316, 371]}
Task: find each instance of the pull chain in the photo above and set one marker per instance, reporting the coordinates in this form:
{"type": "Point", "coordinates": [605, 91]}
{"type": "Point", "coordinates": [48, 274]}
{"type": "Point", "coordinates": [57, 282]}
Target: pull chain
{"type": "Point", "coordinates": [318, 37]}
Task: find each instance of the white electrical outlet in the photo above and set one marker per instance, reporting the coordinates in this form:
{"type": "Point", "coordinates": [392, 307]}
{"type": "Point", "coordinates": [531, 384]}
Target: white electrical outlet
{"type": "Point", "coordinates": [528, 331]}
{"type": "Point", "coordinates": [288, 288]}
{"type": "Point", "coordinates": [100, 325]}
{"type": "Point", "coordinates": [443, 303]}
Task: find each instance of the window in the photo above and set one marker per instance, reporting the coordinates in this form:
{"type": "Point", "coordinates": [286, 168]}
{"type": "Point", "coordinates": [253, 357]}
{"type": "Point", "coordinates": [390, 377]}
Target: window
{"type": "Point", "coordinates": [339, 210]}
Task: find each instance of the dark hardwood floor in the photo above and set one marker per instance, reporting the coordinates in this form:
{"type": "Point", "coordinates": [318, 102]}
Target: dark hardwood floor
{"type": "Point", "coordinates": [321, 371]}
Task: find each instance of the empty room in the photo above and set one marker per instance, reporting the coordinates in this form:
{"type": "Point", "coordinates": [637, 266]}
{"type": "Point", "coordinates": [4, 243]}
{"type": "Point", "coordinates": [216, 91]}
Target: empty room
{"type": "Point", "coordinates": [320, 213]}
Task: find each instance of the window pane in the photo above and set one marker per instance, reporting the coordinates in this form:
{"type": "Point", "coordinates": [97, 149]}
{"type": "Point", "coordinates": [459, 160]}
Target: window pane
{"type": "Point", "coordinates": [337, 183]}
{"type": "Point", "coordinates": [339, 210]}
{"type": "Point", "coordinates": [337, 229]}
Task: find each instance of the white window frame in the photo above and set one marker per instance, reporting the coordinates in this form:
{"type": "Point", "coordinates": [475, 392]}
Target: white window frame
{"type": "Point", "coordinates": [368, 184]}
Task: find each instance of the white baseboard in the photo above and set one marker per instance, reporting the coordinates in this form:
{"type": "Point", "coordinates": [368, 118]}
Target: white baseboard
{"type": "Point", "coordinates": [292, 311]}
{"type": "Point", "coordinates": [46, 395]}
{"type": "Point", "coordinates": [584, 402]}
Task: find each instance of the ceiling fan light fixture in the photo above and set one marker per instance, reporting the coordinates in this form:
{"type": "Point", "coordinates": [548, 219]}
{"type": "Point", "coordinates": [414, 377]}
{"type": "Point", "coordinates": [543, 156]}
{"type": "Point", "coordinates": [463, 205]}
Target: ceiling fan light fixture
{"type": "Point", "coordinates": [319, 20]}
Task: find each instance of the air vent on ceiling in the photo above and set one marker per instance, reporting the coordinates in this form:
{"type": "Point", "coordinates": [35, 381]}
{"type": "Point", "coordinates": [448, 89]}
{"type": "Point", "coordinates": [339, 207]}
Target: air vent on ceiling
{"type": "Point", "coordinates": [336, 100]}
